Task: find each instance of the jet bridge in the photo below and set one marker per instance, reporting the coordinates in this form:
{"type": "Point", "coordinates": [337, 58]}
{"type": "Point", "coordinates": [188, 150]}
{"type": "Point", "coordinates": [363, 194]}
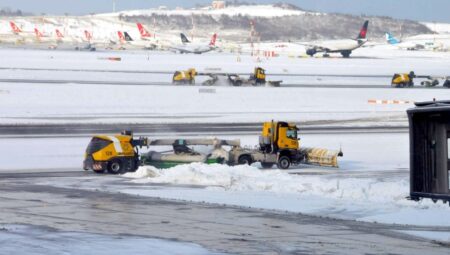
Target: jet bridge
{"type": "Point", "coordinates": [429, 125]}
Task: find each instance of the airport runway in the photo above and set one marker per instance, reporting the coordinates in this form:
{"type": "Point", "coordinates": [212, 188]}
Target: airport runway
{"type": "Point", "coordinates": [137, 83]}
{"type": "Point", "coordinates": [166, 72]}
{"type": "Point", "coordinates": [74, 130]}
{"type": "Point", "coordinates": [228, 229]}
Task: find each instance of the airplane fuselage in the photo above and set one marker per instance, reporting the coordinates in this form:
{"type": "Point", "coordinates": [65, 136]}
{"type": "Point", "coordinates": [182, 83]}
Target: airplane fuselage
{"type": "Point", "coordinates": [339, 45]}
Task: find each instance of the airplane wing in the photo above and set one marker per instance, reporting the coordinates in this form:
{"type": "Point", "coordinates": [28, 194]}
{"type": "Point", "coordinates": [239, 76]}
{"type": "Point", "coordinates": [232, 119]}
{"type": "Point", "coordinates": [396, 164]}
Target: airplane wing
{"type": "Point", "coordinates": [318, 47]}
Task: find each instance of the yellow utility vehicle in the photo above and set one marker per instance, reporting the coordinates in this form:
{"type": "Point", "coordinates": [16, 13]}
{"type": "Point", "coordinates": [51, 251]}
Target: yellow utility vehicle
{"type": "Point", "coordinates": [113, 153]}
{"type": "Point", "coordinates": [403, 80]}
{"type": "Point", "coordinates": [257, 78]}
{"type": "Point", "coordinates": [279, 144]}
{"type": "Point", "coordinates": [184, 77]}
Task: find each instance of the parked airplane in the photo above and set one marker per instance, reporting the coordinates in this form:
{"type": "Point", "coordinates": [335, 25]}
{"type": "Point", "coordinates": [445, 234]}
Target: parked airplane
{"type": "Point", "coordinates": [145, 35]}
{"type": "Point", "coordinates": [142, 44]}
{"type": "Point", "coordinates": [11, 38]}
{"type": "Point", "coordinates": [21, 35]}
{"type": "Point", "coordinates": [45, 39]}
{"type": "Point", "coordinates": [196, 48]}
{"type": "Point", "coordinates": [345, 46]}
{"type": "Point", "coordinates": [153, 42]}
{"type": "Point", "coordinates": [429, 44]}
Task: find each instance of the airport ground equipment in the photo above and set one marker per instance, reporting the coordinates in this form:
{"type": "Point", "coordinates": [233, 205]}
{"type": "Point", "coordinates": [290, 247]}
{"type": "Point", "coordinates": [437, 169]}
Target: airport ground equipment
{"type": "Point", "coordinates": [256, 79]}
{"type": "Point", "coordinates": [113, 153]}
{"type": "Point", "coordinates": [184, 77]}
{"type": "Point", "coordinates": [407, 80]}
{"type": "Point", "coordinates": [429, 133]}
{"type": "Point", "coordinates": [182, 153]}
{"type": "Point", "coordinates": [278, 145]}
{"type": "Point", "coordinates": [403, 80]}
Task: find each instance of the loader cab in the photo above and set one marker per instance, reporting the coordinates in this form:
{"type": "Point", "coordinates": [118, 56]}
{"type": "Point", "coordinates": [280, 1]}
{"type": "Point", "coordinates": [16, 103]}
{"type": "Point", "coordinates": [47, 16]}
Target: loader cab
{"type": "Point", "coordinates": [259, 75]}
{"type": "Point", "coordinates": [278, 136]}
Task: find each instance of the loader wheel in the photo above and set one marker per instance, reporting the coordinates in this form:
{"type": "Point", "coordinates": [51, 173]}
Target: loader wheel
{"type": "Point", "coordinates": [98, 171]}
{"type": "Point", "coordinates": [115, 167]}
{"type": "Point", "coordinates": [245, 160]}
{"type": "Point", "coordinates": [284, 162]}
{"type": "Point", "coordinates": [237, 83]}
{"type": "Point", "coordinates": [266, 165]}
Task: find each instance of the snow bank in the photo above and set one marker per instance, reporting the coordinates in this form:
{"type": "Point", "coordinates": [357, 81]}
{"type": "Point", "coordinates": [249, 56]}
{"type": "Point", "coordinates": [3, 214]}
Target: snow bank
{"type": "Point", "coordinates": [368, 196]}
{"type": "Point", "coordinates": [248, 178]}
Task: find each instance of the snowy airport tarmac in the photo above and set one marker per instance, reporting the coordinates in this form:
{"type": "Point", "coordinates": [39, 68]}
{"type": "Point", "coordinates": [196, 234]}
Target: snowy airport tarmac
{"type": "Point", "coordinates": [370, 186]}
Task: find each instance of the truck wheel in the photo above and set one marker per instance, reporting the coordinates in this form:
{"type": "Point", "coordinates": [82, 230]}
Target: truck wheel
{"type": "Point", "coordinates": [98, 171]}
{"type": "Point", "coordinates": [115, 167]}
{"type": "Point", "coordinates": [284, 162]}
{"type": "Point", "coordinates": [266, 165]}
{"type": "Point", "coordinates": [237, 83]}
{"type": "Point", "coordinates": [245, 160]}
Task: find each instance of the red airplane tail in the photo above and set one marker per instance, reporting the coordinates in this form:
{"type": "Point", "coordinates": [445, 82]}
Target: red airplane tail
{"type": "Point", "coordinates": [121, 37]}
{"type": "Point", "coordinates": [213, 40]}
{"type": "Point", "coordinates": [144, 32]}
{"type": "Point", "coordinates": [14, 28]}
{"type": "Point", "coordinates": [87, 35]}
{"type": "Point", "coordinates": [59, 34]}
{"type": "Point", "coordinates": [38, 33]}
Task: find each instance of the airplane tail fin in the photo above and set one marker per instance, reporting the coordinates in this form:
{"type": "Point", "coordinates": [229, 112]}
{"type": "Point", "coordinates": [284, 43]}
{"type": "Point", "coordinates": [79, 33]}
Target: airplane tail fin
{"type": "Point", "coordinates": [59, 35]}
{"type": "Point", "coordinates": [14, 27]}
{"type": "Point", "coordinates": [87, 35]}
{"type": "Point", "coordinates": [143, 31]}
{"type": "Point", "coordinates": [391, 39]}
{"type": "Point", "coordinates": [363, 32]}
{"type": "Point", "coordinates": [213, 40]}
{"type": "Point", "coordinates": [127, 36]}
{"type": "Point", "coordinates": [121, 37]}
{"type": "Point", "coordinates": [184, 38]}
{"type": "Point", "coordinates": [38, 33]}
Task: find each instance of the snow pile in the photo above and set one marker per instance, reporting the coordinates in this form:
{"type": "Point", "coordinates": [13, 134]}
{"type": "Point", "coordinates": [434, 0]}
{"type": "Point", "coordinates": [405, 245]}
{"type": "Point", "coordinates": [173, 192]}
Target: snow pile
{"type": "Point", "coordinates": [244, 10]}
{"type": "Point", "coordinates": [248, 178]}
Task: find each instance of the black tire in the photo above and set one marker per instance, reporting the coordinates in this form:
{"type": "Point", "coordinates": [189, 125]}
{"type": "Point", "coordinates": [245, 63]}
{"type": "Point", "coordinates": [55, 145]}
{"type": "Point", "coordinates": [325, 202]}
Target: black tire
{"type": "Point", "coordinates": [99, 171]}
{"type": "Point", "coordinates": [311, 52]}
{"type": "Point", "coordinates": [284, 162]}
{"type": "Point", "coordinates": [346, 54]}
{"type": "Point", "coordinates": [245, 160]}
{"type": "Point", "coordinates": [237, 83]}
{"type": "Point", "coordinates": [115, 166]}
{"type": "Point", "coordinates": [266, 165]}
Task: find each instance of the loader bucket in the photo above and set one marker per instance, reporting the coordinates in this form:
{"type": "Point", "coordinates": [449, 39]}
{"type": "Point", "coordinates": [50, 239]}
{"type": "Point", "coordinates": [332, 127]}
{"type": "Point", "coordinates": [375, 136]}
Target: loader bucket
{"type": "Point", "coordinates": [321, 157]}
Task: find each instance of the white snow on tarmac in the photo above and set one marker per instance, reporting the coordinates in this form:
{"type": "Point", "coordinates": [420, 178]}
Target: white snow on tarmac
{"type": "Point", "coordinates": [375, 199]}
{"type": "Point", "coordinates": [69, 103]}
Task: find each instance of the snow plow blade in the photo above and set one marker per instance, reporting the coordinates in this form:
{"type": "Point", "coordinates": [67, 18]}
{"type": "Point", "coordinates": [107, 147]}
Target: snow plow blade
{"type": "Point", "coordinates": [321, 157]}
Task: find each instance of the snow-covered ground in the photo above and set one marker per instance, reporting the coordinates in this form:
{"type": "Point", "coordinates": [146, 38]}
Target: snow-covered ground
{"type": "Point", "coordinates": [371, 184]}
{"type": "Point", "coordinates": [266, 11]}
{"type": "Point", "coordinates": [63, 103]}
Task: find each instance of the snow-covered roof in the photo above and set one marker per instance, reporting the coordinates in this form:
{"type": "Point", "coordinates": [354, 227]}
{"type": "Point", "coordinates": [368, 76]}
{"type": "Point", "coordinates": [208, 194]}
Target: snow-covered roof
{"type": "Point", "coordinates": [244, 10]}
